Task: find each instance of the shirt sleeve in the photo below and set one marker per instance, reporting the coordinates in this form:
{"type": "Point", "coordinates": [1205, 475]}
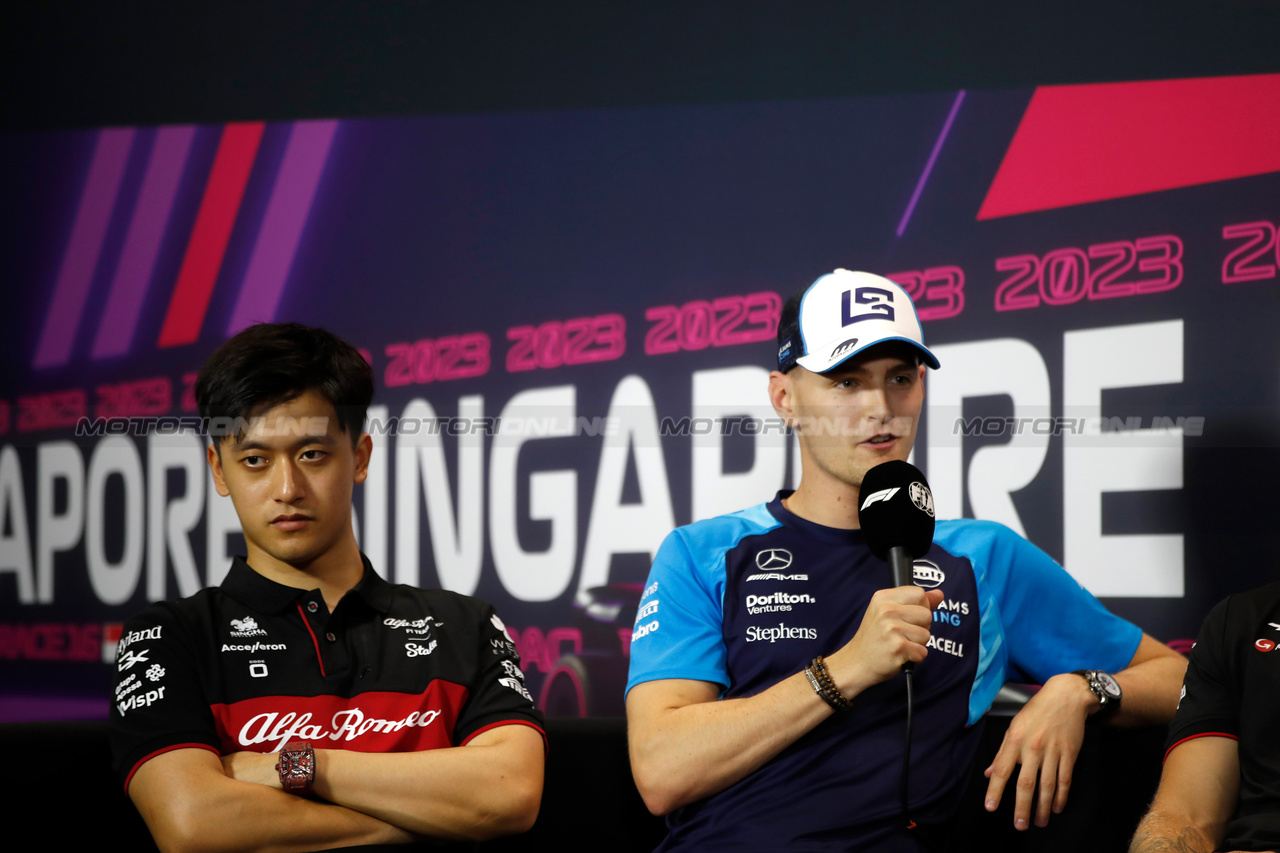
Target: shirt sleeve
{"type": "Point", "coordinates": [498, 696]}
{"type": "Point", "coordinates": [158, 701]}
{"type": "Point", "coordinates": [1209, 702]}
{"type": "Point", "coordinates": [679, 629]}
{"type": "Point", "coordinates": [1051, 623]}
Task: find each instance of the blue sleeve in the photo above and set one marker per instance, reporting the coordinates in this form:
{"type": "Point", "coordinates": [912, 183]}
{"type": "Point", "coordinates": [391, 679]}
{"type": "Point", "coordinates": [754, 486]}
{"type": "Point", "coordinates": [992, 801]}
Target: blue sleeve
{"type": "Point", "coordinates": [679, 629]}
{"type": "Point", "coordinates": [1051, 623]}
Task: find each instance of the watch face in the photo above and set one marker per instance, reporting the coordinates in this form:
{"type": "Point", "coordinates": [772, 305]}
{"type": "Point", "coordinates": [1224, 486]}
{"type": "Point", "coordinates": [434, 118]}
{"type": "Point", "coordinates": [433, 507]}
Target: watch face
{"type": "Point", "coordinates": [1108, 684]}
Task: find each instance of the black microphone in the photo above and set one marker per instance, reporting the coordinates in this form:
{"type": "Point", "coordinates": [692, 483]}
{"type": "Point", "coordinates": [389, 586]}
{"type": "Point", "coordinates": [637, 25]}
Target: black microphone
{"type": "Point", "coordinates": [896, 513]}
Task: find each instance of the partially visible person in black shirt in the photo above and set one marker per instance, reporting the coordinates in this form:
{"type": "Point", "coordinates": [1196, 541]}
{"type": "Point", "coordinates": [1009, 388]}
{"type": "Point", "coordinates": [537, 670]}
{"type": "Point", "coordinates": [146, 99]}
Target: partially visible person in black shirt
{"type": "Point", "coordinates": [1220, 789]}
{"type": "Point", "coordinates": [306, 703]}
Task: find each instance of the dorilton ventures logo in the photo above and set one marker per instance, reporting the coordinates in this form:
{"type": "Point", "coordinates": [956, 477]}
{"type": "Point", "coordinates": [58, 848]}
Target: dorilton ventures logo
{"type": "Point", "coordinates": [778, 602]}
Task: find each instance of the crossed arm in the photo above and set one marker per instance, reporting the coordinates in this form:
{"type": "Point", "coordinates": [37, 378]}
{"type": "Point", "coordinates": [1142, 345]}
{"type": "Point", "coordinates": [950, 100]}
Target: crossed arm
{"type": "Point", "coordinates": [192, 801]}
{"type": "Point", "coordinates": [1196, 798]}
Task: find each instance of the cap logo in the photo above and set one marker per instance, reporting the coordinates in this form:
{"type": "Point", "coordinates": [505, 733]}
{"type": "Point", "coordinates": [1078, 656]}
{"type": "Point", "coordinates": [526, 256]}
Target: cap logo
{"type": "Point", "coordinates": [844, 347]}
{"type": "Point", "coordinates": [878, 300]}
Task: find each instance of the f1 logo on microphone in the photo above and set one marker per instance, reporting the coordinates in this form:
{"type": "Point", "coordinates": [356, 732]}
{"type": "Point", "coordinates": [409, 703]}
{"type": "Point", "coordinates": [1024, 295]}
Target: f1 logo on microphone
{"type": "Point", "coordinates": [880, 496]}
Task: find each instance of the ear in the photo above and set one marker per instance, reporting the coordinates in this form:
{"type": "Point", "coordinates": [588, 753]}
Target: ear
{"type": "Point", "coordinates": [215, 467]}
{"type": "Point", "coordinates": [364, 449]}
{"type": "Point", "coordinates": [780, 396]}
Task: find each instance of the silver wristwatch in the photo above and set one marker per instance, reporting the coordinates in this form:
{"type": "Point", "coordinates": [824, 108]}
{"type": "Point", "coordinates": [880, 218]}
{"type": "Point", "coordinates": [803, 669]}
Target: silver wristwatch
{"type": "Point", "coordinates": [1106, 688]}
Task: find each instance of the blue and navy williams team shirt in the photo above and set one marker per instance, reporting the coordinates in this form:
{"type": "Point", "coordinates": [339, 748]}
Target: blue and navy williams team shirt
{"type": "Point", "coordinates": [748, 599]}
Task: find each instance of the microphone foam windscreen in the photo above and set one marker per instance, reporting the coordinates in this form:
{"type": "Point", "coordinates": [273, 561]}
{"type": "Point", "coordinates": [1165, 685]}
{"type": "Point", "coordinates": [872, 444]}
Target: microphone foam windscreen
{"type": "Point", "coordinates": [895, 507]}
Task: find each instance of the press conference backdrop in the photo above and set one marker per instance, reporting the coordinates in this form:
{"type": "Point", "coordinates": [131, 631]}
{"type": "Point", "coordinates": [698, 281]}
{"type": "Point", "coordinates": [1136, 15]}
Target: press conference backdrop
{"type": "Point", "coordinates": [570, 317]}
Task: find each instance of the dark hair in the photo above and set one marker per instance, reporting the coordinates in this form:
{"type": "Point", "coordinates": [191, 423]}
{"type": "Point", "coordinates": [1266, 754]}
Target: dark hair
{"type": "Point", "coordinates": [272, 363]}
{"type": "Point", "coordinates": [789, 344]}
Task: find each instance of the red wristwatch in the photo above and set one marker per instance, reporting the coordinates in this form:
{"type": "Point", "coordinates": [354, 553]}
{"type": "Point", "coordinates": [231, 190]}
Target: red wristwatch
{"type": "Point", "coordinates": [297, 767]}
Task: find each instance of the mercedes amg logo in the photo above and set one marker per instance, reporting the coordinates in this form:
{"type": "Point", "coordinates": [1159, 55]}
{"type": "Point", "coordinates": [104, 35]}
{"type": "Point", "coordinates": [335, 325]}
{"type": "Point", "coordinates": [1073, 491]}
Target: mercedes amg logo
{"type": "Point", "coordinates": [773, 559]}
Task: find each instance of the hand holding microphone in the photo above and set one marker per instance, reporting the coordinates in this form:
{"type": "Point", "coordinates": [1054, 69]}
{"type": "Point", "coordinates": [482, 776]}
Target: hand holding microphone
{"type": "Point", "coordinates": [896, 513]}
{"type": "Point", "coordinates": [895, 510]}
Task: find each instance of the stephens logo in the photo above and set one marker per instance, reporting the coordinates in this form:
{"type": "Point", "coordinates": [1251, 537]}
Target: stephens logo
{"type": "Point", "coordinates": [773, 559]}
{"type": "Point", "coordinates": [756, 634]}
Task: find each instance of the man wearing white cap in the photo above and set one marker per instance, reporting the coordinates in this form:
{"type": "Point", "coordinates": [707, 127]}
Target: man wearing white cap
{"type": "Point", "coordinates": [747, 737]}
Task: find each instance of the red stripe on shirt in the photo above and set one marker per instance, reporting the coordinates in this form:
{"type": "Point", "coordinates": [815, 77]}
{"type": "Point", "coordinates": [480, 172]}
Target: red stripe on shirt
{"type": "Point", "coordinates": [1193, 737]}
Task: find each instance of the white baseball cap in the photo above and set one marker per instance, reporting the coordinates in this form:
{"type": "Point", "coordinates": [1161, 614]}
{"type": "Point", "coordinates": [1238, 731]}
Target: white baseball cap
{"type": "Point", "coordinates": [840, 315]}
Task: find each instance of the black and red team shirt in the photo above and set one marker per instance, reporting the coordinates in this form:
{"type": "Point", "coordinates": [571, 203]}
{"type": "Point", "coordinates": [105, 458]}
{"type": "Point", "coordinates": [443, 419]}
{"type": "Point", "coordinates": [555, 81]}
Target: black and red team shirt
{"type": "Point", "coordinates": [1231, 689]}
{"type": "Point", "coordinates": [252, 665]}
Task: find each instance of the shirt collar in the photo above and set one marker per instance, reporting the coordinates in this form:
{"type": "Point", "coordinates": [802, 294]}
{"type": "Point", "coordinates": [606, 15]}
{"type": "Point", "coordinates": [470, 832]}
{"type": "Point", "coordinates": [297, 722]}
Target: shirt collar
{"type": "Point", "coordinates": [266, 596]}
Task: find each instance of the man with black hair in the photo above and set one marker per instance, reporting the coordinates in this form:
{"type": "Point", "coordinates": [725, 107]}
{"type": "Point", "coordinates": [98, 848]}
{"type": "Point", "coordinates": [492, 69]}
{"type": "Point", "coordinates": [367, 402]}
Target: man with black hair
{"type": "Point", "coordinates": [305, 703]}
{"type": "Point", "coordinates": [748, 738]}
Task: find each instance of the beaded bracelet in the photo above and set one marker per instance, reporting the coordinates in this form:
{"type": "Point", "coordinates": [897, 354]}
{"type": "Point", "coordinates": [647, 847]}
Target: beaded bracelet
{"type": "Point", "coordinates": [822, 683]}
